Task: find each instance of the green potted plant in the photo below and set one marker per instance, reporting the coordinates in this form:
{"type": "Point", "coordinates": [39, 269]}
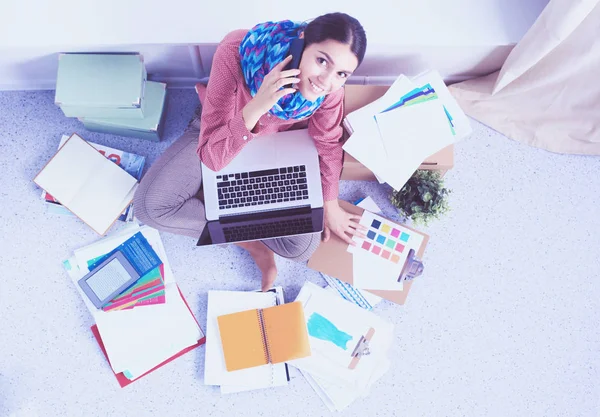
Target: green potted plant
{"type": "Point", "coordinates": [422, 198]}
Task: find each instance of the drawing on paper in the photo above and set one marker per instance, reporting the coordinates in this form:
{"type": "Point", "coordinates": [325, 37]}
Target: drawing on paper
{"type": "Point", "coordinates": [321, 328]}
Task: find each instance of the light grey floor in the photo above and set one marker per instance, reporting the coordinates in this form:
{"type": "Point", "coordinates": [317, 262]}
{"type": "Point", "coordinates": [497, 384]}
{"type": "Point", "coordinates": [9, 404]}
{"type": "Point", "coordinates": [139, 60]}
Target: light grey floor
{"type": "Point", "coordinates": [504, 321]}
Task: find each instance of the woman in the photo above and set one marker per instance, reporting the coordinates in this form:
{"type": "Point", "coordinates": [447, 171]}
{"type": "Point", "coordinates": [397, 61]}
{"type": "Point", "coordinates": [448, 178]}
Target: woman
{"type": "Point", "coordinates": [251, 94]}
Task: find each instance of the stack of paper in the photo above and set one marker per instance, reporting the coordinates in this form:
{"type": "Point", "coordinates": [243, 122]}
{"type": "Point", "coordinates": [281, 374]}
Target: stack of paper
{"type": "Point", "coordinates": [337, 329]}
{"type": "Point", "coordinates": [215, 372]}
{"type": "Point", "coordinates": [413, 120]}
{"type": "Point", "coordinates": [138, 340]}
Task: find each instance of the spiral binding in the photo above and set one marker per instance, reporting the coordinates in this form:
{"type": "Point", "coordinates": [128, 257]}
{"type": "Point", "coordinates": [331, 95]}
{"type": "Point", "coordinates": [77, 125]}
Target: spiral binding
{"type": "Point", "coordinates": [266, 346]}
{"type": "Point", "coordinates": [261, 321]}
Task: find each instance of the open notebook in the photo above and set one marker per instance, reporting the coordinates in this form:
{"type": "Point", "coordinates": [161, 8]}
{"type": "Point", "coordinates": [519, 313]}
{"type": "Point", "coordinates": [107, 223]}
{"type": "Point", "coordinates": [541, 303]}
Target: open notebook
{"type": "Point", "coordinates": [261, 336]}
{"type": "Point", "coordinates": [88, 184]}
{"type": "Point", "coordinates": [215, 372]}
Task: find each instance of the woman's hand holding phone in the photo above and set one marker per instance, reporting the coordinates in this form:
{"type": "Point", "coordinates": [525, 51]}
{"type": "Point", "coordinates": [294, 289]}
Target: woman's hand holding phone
{"type": "Point", "coordinates": [270, 92]}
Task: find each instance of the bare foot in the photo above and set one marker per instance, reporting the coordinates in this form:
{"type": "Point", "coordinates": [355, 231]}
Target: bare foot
{"type": "Point", "coordinates": [264, 259]}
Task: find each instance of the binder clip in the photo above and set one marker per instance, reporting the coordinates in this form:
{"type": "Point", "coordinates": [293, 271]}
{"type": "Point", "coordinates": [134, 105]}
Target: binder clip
{"type": "Point", "coordinates": [413, 267]}
{"type": "Point", "coordinates": [362, 348]}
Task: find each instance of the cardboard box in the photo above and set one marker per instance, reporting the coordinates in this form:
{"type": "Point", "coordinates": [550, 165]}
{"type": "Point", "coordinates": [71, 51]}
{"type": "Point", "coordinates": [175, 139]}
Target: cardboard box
{"type": "Point", "coordinates": [150, 127]}
{"type": "Point", "coordinates": [333, 259]}
{"type": "Point", "coordinates": [357, 96]}
{"type": "Point", "coordinates": [101, 85]}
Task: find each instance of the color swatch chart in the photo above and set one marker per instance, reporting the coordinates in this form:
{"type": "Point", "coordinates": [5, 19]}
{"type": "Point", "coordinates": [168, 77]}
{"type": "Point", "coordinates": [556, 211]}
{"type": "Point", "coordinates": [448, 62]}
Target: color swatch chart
{"type": "Point", "coordinates": [386, 239]}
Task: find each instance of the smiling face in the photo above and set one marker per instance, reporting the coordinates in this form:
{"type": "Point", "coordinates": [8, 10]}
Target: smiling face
{"type": "Point", "coordinates": [324, 68]}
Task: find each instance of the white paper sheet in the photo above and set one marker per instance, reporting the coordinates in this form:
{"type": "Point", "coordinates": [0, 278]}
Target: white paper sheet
{"type": "Point", "coordinates": [139, 339]}
{"type": "Point", "coordinates": [215, 373]}
{"type": "Point", "coordinates": [462, 126]}
{"type": "Point", "coordinates": [339, 396]}
{"type": "Point", "coordinates": [375, 273]}
{"type": "Point", "coordinates": [365, 143]}
{"type": "Point", "coordinates": [411, 134]}
{"type": "Point", "coordinates": [329, 361]}
{"type": "Point", "coordinates": [320, 391]}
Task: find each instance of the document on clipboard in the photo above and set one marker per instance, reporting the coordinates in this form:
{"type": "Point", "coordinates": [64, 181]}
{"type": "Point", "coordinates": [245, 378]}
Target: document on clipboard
{"type": "Point", "coordinates": [347, 342]}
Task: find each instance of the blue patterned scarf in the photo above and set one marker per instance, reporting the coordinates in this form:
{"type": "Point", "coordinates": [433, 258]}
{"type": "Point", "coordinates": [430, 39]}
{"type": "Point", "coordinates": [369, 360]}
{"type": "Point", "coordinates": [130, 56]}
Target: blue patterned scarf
{"type": "Point", "coordinates": [263, 47]}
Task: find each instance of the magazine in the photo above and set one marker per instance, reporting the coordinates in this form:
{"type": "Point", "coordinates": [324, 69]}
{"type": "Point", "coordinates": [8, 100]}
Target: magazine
{"type": "Point", "coordinates": [132, 163]}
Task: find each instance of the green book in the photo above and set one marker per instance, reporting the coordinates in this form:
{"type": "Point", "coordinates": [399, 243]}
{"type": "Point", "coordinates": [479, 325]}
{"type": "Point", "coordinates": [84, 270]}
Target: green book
{"type": "Point", "coordinates": [101, 85]}
{"type": "Point", "coordinates": [149, 127]}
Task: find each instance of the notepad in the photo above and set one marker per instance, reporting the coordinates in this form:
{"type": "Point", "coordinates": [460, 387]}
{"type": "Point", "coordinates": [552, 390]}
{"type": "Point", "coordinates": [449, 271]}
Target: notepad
{"type": "Point", "coordinates": [261, 336]}
{"type": "Point", "coordinates": [93, 188]}
{"type": "Point", "coordinates": [215, 373]}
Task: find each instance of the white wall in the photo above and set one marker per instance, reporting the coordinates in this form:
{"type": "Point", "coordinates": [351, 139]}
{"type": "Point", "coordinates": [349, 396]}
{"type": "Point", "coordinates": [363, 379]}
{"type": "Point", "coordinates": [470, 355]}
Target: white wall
{"type": "Point", "coordinates": [461, 39]}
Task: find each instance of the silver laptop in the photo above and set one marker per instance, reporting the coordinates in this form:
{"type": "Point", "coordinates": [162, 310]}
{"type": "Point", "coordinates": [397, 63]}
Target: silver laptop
{"type": "Point", "coordinates": [271, 189]}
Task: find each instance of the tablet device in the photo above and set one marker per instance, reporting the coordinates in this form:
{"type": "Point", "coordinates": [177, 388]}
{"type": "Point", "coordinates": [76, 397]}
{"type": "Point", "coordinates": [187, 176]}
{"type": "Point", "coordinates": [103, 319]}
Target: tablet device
{"type": "Point", "coordinates": [109, 279]}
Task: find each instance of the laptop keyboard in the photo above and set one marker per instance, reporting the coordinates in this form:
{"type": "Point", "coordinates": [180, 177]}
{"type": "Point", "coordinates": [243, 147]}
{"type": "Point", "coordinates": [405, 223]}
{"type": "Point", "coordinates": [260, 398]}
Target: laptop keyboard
{"type": "Point", "coordinates": [268, 229]}
{"type": "Point", "coordinates": [257, 188]}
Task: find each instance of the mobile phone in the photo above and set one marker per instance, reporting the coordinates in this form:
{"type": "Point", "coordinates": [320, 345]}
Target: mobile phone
{"type": "Point", "coordinates": [296, 49]}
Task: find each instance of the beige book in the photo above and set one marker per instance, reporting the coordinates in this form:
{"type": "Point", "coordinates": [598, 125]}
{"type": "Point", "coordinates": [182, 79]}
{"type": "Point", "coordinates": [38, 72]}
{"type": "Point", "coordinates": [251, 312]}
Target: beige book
{"type": "Point", "coordinates": [88, 184]}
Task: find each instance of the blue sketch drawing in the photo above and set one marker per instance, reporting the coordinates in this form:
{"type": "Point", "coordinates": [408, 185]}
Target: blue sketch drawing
{"type": "Point", "coordinates": [321, 328]}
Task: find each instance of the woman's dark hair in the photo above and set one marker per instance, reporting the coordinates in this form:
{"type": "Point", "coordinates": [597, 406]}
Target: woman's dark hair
{"type": "Point", "coordinates": [339, 27]}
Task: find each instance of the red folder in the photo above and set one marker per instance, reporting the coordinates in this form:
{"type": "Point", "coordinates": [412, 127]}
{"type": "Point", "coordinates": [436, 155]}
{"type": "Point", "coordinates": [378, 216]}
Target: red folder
{"type": "Point", "coordinates": [122, 379]}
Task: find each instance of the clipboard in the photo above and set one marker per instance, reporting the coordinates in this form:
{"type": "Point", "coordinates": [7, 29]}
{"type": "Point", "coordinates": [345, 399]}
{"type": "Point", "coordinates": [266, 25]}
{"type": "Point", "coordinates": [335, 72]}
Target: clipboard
{"type": "Point", "coordinates": [331, 258]}
{"type": "Point", "coordinates": [361, 349]}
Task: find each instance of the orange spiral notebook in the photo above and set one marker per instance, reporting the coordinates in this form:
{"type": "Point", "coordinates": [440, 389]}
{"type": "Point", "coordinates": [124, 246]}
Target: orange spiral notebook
{"type": "Point", "coordinates": [262, 336]}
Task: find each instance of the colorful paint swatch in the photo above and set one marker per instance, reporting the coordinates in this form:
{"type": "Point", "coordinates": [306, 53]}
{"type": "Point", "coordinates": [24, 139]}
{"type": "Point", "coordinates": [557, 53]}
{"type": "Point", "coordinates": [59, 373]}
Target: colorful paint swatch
{"type": "Point", "coordinates": [388, 241]}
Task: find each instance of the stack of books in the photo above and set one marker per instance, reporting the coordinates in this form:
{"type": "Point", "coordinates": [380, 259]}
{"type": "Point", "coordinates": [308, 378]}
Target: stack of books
{"type": "Point", "coordinates": [132, 163]}
{"type": "Point", "coordinates": [150, 323]}
{"type": "Point", "coordinates": [110, 93]}
{"type": "Point", "coordinates": [413, 120]}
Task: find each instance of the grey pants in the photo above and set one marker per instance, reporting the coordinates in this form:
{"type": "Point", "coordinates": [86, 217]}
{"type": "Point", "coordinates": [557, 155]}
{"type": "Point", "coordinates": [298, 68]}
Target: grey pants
{"type": "Point", "coordinates": [168, 198]}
